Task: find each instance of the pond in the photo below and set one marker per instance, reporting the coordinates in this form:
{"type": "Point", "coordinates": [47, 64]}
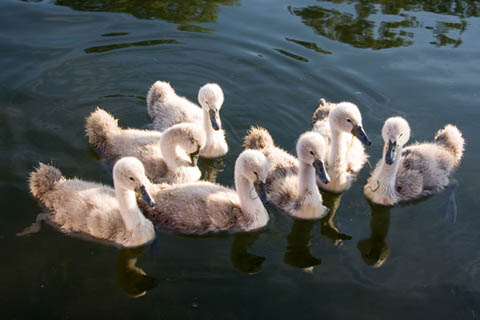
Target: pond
{"type": "Point", "coordinates": [275, 60]}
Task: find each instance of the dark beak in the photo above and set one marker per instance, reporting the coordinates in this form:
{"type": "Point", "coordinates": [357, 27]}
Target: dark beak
{"type": "Point", "coordinates": [320, 171]}
{"type": "Point", "coordinates": [146, 196]}
{"type": "Point", "coordinates": [194, 158]}
{"type": "Point", "coordinates": [358, 132]}
{"type": "Point", "coordinates": [261, 191]}
{"type": "Point", "coordinates": [390, 155]}
{"type": "Point", "coordinates": [213, 119]}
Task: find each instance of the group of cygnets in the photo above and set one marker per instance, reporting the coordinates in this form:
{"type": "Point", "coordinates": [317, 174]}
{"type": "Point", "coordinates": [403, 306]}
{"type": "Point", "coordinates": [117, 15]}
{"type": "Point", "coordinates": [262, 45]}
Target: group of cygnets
{"type": "Point", "coordinates": [156, 177]}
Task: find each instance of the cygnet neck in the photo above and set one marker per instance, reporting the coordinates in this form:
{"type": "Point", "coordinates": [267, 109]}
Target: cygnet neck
{"type": "Point", "coordinates": [388, 173]}
{"type": "Point", "coordinates": [249, 200]}
{"type": "Point", "coordinates": [338, 150]}
{"type": "Point", "coordinates": [207, 125]}
{"type": "Point", "coordinates": [307, 181]}
{"type": "Point", "coordinates": [173, 154]}
{"type": "Point", "coordinates": [129, 210]}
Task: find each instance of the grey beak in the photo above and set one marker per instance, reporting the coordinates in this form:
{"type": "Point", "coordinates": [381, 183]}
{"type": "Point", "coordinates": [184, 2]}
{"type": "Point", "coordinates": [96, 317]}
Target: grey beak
{"type": "Point", "coordinates": [261, 191]}
{"type": "Point", "coordinates": [213, 119]}
{"type": "Point", "coordinates": [358, 132]}
{"type": "Point", "coordinates": [320, 171]}
{"type": "Point", "coordinates": [390, 155]}
{"type": "Point", "coordinates": [146, 196]}
{"type": "Point", "coordinates": [194, 158]}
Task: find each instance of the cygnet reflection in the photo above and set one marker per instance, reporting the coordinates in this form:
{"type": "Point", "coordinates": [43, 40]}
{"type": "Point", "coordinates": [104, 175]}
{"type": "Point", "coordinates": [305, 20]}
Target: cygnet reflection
{"type": "Point", "coordinates": [132, 279]}
{"type": "Point", "coordinates": [242, 260]}
{"type": "Point", "coordinates": [211, 168]}
{"type": "Point", "coordinates": [299, 253]}
{"type": "Point", "coordinates": [329, 229]}
{"type": "Point", "coordinates": [375, 249]}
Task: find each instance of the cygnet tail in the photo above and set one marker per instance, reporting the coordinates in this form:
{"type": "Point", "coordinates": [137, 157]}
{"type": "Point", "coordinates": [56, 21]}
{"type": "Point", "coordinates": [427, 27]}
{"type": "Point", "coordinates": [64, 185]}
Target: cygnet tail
{"type": "Point", "coordinates": [322, 112]}
{"type": "Point", "coordinates": [100, 125]}
{"type": "Point", "coordinates": [258, 138]}
{"type": "Point", "coordinates": [43, 180]}
{"type": "Point", "coordinates": [451, 138]}
{"type": "Point", "coordinates": [156, 93]}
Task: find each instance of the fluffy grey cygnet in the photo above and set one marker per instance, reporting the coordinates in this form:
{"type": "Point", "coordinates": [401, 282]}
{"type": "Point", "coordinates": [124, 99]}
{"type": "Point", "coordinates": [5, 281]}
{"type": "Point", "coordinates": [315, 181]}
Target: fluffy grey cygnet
{"type": "Point", "coordinates": [166, 109]}
{"type": "Point", "coordinates": [168, 157]}
{"type": "Point", "coordinates": [95, 210]}
{"type": "Point", "coordinates": [203, 207]}
{"type": "Point", "coordinates": [291, 183]}
{"type": "Point", "coordinates": [415, 171]}
{"type": "Point", "coordinates": [340, 124]}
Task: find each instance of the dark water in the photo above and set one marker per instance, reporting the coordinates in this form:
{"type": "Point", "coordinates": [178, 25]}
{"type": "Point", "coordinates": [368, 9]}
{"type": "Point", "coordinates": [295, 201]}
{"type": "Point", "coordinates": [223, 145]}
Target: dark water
{"type": "Point", "coordinates": [274, 61]}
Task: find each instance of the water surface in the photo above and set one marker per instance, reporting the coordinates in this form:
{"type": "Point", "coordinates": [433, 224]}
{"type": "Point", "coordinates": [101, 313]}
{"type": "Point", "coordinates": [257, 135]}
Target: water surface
{"type": "Point", "coordinates": [274, 60]}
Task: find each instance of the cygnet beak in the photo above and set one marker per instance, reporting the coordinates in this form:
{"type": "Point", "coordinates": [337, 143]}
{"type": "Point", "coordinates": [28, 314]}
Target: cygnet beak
{"type": "Point", "coordinates": [213, 119]}
{"type": "Point", "coordinates": [358, 132]}
{"type": "Point", "coordinates": [146, 196]}
{"type": "Point", "coordinates": [320, 171]}
{"type": "Point", "coordinates": [194, 157]}
{"type": "Point", "coordinates": [260, 188]}
{"type": "Point", "coordinates": [391, 152]}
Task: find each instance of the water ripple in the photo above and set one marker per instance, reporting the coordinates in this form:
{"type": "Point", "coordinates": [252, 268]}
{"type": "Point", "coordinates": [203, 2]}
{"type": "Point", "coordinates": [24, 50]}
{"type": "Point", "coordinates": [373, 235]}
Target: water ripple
{"type": "Point", "coordinates": [110, 47]}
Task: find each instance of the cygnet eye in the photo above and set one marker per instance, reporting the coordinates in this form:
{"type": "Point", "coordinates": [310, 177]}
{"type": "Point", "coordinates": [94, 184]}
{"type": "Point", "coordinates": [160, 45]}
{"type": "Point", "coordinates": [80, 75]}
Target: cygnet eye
{"type": "Point", "coordinates": [131, 178]}
{"type": "Point", "coordinates": [255, 172]}
{"type": "Point", "coordinates": [311, 152]}
{"type": "Point", "coordinates": [348, 120]}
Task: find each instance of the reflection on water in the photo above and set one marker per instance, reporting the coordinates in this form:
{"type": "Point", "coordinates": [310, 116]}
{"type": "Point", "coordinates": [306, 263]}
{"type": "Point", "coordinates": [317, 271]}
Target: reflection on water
{"type": "Point", "coordinates": [309, 45]}
{"type": "Point", "coordinates": [211, 168]}
{"type": "Point", "coordinates": [360, 27]}
{"type": "Point", "coordinates": [176, 11]}
{"type": "Point", "coordinates": [114, 34]}
{"type": "Point", "coordinates": [375, 249]}
{"type": "Point", "coordinates": [329, 229]}
{"type": "Point", "coordinates": [242, 260]}
{"type": "Point", "coordinates": [291, 55]}
{"type": "Point", "coordinates": [133, 280]}
{"type": "Point", "coordinates": [299, 253]}
{"type": "Point", "coordinates": [49, 83]}
{"type": "Point", "coordinates": [129, 44]}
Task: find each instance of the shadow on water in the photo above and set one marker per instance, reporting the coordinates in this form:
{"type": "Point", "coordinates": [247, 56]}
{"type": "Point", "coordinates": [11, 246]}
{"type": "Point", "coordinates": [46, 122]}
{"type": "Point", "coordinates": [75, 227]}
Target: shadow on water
{"type": "Point", "coordinates": [329, 229]}
{"type": "Point", "coordinates": [375, 249]}
{"type": "Point", "coordinates": [180, 12]}
{"type": "Point", "coordinates": [211, 168]}
{"type": "Point", "coordinates": [242, 260]}
{"type": "Point", "coordinates": [360, 27]}
{"type": "Point", "coordinates": [299, 253]}
{"type": "Point", "coordinates": [132, 279]}
{"type": "Point", "coordinates": [111, 47]}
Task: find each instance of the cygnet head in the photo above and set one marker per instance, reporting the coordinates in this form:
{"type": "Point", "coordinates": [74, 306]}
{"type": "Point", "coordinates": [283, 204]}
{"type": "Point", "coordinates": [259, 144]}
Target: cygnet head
{"type": "Point", "coordinates": [185, 140]}
{"type": "Point", "coordinates": [160, 91]}
{"type": "Point", "coordinates": [129, 174]}
{"type": "Point", "coordinates": [210, 97]}
{"type": "Point", "coordinates": [253, 165]}
{"type": "Point", "coordinates": [311, 150]}
{"type": "Point", "coordinates": [346, 117]}
{"type": "Point", "coordinates": [395, 133]}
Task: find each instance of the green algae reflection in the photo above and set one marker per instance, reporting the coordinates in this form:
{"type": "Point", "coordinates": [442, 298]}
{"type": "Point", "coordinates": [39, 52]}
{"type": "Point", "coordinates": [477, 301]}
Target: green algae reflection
{"type": "Point", "coordinates": [181, 12]}
{"type": "Point", "coordinates": [381, 24]}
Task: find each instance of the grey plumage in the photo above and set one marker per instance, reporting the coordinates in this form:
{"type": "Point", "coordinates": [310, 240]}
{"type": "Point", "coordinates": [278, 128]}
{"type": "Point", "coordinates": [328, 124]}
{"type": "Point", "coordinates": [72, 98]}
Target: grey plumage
{"type": "Point", "coordinates": [285, 187]}
{"type": "Point", "coordinates": [416, 171]}
{"type": "Point", "coordinates": [164, 155]}
{"type": "Point", "coordinates": [91, 209]}
{"type": "Point", "coordinates": [345, 152]}
{"type": "Point", "coordinates": [166, 109]}
{"type": "Point", "coordinates": [203, 207]}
